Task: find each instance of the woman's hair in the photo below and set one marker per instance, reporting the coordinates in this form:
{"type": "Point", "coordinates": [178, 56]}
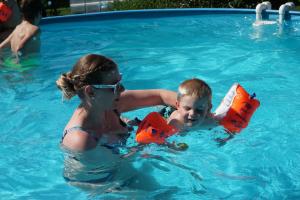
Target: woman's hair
{"type": "Point", "coordinates": [88, 70]}
{"type": "Point", "coordinates": [31, 9]}
{"type": "Point", "coordinates": [194, 87]}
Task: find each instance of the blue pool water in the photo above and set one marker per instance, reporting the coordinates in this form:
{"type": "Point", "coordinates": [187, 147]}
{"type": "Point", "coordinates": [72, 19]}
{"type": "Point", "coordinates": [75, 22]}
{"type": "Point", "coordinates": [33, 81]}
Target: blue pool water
{"type": "Point", "coordinates": [260, 163]}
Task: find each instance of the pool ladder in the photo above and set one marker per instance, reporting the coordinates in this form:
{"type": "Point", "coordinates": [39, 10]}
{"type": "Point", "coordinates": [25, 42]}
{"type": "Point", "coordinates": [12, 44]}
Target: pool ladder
{"type": "Point", "coordinates": [260, 10]}
{"type": "Point", "coordinates": [284, 13]}
{"type": "Point", "coordinates": [284, 9]}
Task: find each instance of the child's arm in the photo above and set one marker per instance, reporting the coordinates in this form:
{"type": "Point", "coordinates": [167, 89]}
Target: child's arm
{"type": "Point", "coordinates": [211, 121]}
{"type": "Point", "coordinates": [222, 141]}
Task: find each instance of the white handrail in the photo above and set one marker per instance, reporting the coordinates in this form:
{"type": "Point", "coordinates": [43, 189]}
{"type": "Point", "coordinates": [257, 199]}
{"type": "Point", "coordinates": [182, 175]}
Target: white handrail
{"type": "Point", "coordinates": [260, 8]}
{"type": "Point", "coordinates": [284, 11]}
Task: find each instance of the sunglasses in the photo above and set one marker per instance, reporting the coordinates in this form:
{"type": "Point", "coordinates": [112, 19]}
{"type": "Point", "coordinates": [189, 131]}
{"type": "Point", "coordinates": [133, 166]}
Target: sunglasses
{"type": "Point", "coordinates": [116, 87]}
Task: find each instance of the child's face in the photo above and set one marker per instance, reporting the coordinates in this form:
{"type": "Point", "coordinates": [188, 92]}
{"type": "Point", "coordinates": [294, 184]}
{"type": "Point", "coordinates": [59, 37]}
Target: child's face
{"type": "Point", "coordinates": [193, 110]}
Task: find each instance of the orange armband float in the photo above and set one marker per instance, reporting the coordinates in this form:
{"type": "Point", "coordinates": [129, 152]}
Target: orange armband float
{"type": "Point", "coordinates": [236, 109]}
{"type": "Point", "coordinates": [5, 12]}
{"type": "Point", "coordinates": [154, 129]}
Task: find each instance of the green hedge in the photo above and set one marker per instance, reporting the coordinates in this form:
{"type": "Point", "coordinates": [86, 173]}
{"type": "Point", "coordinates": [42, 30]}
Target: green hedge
{"type": "Point", "coordinates": [152, 4]}
{"type": "Point", "coordinates": [61, 7]}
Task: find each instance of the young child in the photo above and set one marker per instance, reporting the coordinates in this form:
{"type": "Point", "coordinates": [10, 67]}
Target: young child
{"type": "Point", "coordinates": [25, 38]}
{"type": "Point", "coordinates": [193, 106]}
{"type": "Point", "coordinates": [193, 111]}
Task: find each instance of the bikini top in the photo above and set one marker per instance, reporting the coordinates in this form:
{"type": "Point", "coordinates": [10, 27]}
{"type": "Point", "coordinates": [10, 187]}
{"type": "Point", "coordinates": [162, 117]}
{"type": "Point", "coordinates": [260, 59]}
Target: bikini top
{"type": "Point", "coordinates": [77, 128]}
{"type": "Point", "coordinates": [103, 139]}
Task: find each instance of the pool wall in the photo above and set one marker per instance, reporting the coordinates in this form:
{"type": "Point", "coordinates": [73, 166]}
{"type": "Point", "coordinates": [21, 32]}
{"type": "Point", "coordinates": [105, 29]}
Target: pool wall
{"type": "Point", "coordinates": [150, 13]}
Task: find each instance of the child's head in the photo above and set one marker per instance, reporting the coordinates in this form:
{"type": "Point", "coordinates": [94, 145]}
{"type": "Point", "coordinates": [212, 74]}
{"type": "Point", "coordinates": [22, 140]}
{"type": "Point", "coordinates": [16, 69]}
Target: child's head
{"type": "Point", "coordinates": [32, 10]}
{"type": "Point", "coordinates": [194, 101]}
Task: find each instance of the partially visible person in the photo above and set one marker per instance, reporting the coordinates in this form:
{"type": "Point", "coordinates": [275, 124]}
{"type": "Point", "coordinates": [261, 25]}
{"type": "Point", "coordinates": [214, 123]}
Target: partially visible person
{"type": "Point", "coordinates": [95, 133]}
{"type": "Point", "coordinates": [25, 39]}
{"type": "Point", "coordinates": [193, 106]}
{"type": "Point", "coordinates": [15, 18]}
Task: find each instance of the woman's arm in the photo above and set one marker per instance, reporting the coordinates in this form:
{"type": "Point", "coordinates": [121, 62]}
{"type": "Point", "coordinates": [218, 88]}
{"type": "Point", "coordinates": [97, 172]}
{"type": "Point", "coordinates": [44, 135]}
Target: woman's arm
{"type": "Point", "coordinates": [135, 99]}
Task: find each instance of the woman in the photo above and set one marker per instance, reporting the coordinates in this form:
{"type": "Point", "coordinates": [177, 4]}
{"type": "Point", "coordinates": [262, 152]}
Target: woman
{"type": "Point", "coordinates": [25, 39]}
{"type": "Point", "coordinates": [95, 131]}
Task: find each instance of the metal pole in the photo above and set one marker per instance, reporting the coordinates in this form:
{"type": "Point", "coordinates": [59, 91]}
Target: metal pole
{"type": "Point", "coordinates": [100, 5]}
{"type": "Point", "coordinates": [85, 6]}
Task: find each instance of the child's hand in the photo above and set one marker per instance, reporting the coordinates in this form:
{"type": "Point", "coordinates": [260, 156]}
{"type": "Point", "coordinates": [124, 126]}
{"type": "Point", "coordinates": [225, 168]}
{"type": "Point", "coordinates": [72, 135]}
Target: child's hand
{"type": "Point", "coordinates": [178, 147]}
{"type": "Point", "coordinates": [131, 122]}
{"type": "Point", "coordinates": [134, 122]}
{"type": "Point", "coordinates": [222, 141]}
{"type": "Point", "coordinates": [182, 146]}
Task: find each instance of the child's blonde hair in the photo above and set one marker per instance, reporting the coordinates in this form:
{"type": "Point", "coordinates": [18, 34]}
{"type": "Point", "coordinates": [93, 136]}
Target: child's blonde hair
{"type": "Point", "coordinates": [194, 87]}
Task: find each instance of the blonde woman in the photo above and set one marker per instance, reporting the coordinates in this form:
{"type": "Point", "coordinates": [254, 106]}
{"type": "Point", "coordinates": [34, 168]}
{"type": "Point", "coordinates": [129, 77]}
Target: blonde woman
{"type": "Point", "coordinates": [95, 130]}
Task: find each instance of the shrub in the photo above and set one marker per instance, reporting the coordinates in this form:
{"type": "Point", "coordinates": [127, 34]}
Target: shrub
{"type": "Point", "coordinates": [153, 4]}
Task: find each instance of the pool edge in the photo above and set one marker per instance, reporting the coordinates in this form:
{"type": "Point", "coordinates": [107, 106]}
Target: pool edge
{"type": "Point", "coordinates": [149, 13]}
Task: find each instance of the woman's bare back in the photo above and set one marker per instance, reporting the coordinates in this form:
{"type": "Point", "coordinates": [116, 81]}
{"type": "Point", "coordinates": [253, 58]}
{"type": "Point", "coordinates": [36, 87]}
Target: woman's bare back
{"type": "Point", "coordinates": [25, 38]}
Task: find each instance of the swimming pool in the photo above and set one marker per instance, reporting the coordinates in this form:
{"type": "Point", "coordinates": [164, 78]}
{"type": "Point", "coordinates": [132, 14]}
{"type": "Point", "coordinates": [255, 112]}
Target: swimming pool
{"type": "Point", "coordinates": [160, 50]}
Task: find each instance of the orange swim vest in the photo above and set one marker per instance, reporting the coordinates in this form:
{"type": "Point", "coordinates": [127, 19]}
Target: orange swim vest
{"type": "Point", "coordinates": [5, 12]}
{"type": "Point", "coordinates": [236, 109]}
{"type": "Point", "coordinates": [154, 129]}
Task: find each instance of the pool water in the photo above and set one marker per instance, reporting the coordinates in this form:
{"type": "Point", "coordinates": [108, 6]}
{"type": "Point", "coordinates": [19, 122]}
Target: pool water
{"type": "Point", "coordinates": [262, 162]}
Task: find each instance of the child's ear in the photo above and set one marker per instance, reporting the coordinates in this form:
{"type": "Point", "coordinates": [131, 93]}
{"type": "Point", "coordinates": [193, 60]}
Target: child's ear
{"type": "Point", "coordinates": [177, 104]}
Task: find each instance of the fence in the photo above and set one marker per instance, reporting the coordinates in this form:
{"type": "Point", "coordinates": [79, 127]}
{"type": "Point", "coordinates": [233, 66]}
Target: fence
{"type": "Point", "coordinates": [86, 6]}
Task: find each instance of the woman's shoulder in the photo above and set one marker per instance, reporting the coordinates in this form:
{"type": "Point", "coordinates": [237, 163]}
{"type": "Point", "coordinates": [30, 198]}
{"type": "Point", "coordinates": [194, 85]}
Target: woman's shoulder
{"type": "Point", "coordinates": [79, 140]}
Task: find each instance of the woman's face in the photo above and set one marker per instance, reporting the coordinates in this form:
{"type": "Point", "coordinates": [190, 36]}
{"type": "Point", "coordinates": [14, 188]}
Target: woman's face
{"type": "Point", "coordinates": [109, 91]}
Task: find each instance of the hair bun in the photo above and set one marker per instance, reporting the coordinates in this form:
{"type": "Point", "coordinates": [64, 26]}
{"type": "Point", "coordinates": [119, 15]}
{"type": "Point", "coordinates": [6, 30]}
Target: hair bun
{"type": "Point", "coordinates": [66, 85]}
